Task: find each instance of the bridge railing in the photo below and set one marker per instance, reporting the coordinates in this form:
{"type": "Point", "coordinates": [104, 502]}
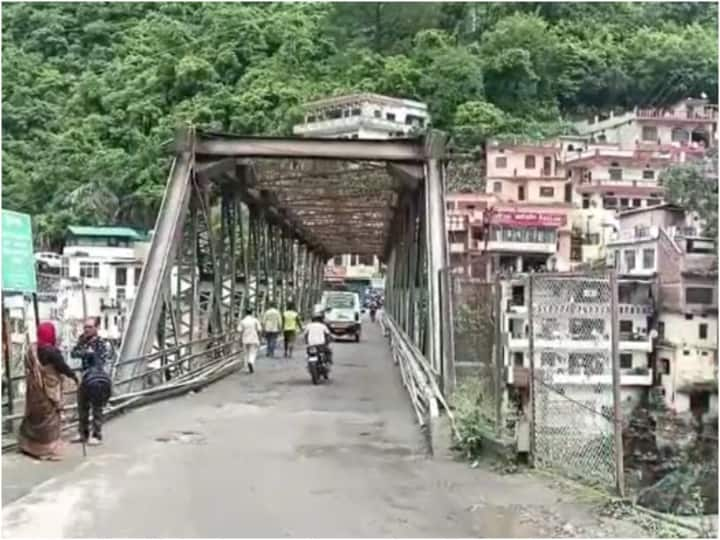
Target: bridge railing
{"type": "Point", "coordinates": [418, 377]}
{"type": "Point", "coordinates": [195, 364]}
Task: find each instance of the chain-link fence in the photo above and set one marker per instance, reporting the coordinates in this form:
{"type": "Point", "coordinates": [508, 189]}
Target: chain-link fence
{"type": "Point", "coordinates": [478, 359]}
{"type": "Point", "coordinates": [570, 348]}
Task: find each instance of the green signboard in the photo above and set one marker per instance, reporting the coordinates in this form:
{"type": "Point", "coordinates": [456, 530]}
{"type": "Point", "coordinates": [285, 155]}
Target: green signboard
{"type": "Point", "coordinates": [18, 260]}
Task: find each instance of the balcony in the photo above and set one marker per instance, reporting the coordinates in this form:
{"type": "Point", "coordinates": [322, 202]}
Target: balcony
{"type": "Point", "coordinates": [517, 247]}
{"type": "Point", "coordinates": [627, 378]}
{"type": "Point", "coordinates": [635, 309]}
{"type": "Point", "coordinates": [519, 376]}
{"type": "Point", "coordinates": [707, 115]}
{"type": "Point", "coordinates": [350, 123]}
{"type": "Point", "coordinates": [626, 343]}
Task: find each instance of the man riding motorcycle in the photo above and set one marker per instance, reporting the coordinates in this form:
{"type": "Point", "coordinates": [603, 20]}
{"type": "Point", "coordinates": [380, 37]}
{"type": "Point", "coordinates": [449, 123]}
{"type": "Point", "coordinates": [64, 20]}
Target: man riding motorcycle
{"type": "Point", "coordinates": [318, 335]}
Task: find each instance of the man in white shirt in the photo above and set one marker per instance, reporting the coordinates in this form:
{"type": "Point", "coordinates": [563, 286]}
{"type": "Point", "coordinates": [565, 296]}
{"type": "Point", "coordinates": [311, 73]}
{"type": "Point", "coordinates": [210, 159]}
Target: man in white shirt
{"type": "Point", "coordinates": [250, 334]}
{"type": "Point", "coordinates": [318, 335]}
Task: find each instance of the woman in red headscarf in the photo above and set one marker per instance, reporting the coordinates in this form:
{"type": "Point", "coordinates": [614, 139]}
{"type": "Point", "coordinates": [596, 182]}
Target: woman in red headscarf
{"type": "Point", "coordinates": [42, 425]}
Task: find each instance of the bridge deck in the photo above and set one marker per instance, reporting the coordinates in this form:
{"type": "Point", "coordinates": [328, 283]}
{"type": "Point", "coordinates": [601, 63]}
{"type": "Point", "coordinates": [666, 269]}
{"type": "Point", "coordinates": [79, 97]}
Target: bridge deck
{"type": "Point", "coordinates": [271, 455]}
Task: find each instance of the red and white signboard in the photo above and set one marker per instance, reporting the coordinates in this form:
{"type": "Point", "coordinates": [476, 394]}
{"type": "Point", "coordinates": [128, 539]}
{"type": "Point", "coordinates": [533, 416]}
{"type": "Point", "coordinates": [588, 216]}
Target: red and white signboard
{"type": "Point", "coordinates": [335, 273]}
{"type": "Point", "coordinates": [529, 219]}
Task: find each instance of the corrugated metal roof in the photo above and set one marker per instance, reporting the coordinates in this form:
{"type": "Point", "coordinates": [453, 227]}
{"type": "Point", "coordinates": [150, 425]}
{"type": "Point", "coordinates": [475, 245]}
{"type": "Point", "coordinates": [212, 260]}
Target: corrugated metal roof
{"type": "Point", "coordinates": [124, 232]}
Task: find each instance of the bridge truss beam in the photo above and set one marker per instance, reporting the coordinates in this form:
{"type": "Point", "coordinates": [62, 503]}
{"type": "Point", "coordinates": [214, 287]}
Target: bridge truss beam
{"type": "Point", "coordinates": [250, 221]}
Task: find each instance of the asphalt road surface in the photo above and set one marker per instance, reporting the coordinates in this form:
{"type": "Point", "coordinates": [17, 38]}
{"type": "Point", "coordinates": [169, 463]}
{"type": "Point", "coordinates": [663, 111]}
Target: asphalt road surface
{"type": "Point", "coordinates": [270, 455]}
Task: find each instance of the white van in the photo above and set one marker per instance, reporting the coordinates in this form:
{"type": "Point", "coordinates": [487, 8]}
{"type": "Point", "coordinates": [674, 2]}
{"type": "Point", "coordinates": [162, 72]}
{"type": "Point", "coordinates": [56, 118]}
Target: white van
{"type": "Point", "coordinates": [342, 313]}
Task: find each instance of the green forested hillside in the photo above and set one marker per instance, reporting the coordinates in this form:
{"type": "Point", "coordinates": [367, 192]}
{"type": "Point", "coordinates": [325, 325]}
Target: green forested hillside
{"type": "Point", "coordinates": [92, 91]}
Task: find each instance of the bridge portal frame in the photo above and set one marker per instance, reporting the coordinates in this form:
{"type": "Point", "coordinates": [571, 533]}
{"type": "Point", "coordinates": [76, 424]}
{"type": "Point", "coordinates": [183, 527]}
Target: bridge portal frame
{"type": "Point", "coordinates": [278, 256]}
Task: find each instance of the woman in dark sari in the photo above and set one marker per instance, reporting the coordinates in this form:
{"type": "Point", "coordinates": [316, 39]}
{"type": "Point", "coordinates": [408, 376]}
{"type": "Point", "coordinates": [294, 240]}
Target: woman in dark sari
{"type": "Point", "coordinates": [41, 428]}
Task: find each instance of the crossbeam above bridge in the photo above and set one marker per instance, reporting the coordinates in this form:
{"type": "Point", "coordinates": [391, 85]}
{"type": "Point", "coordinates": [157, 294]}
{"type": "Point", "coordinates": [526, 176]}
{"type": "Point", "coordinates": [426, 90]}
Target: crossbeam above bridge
{"type": "Point", "coordinates": [410, 150]}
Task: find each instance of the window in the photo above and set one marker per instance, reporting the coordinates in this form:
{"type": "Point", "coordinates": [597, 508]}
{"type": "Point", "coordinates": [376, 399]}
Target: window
{"type": "Point", "coordinates": [664, 366]}
{"type": "Point", "coordinates": [337, 260]}
{"type": "Point", "coordinates": [518, 359]}
{"type": "Point", "coordinates": [615, 174]}
{"type": "Point", "coordinates": [626, 327]}
{"type": "Point", "coordinates": [89, 270]}
{"type": "Point", "coordinates": [648, 174]}
{"type": "Point", "coordinates": [609, 203]}
{"type": "Point", "coordinates": [546, 191]}
{"type": "Point", "coordinates": [521, 193]}
{"type": "Point", "coordinates": [624, 203]}
{"type": "Point", "coordinates": [626, 361]}
{"type": "Point", "coordinates": [586, 201]}
{"type": "Point", "coordinates": [138, 272]}
{"type": "Point", "coordinates": [661, 330]}
{"type": "Point", "coordinates": [501, 162]}
{"type": "Point", "coordinates": [390, 116]}
{"type": "Point", "coordinates": [592, 239]}
{"type": "Point", "coordinates": [497, 187]}
{"type": "Point", "coordinates": [679, 135]}
{"type": "Point", "coordinates": [568, 192]}
{"type": "Point", "coordinates": [700, 402]}
{"type": "Point", "coordinates": [629, 260]}
{"type": "Point", "coordinates": [649, 133]}
{"type": "Point", "coordinates": [529, 162]}
{"type": "Point", "coordinates": [648, 258]}
{"type": "Point", "coordinates": [120, 293]}
{"type": "Point", "coordinates": [637, 203]}
{"type": "Point", "coordinates": [653, 202]}
{"type": "Point", "coordinates": [121, 276]}
{"type": "Point", "coordinates": [699, 295]}
{"type": "Point", "coordinates": [377, 113]}
{"type": "Point", "coordinates": [689, 316]}
{"type": "Point", "coordinates": [547, 166]}
{"type": "Point", "coordinates": [703, 330]}
{"type": "Point", "coordinates": [356, 111]}
{"type": "Point", "coordinates": [366, 260]}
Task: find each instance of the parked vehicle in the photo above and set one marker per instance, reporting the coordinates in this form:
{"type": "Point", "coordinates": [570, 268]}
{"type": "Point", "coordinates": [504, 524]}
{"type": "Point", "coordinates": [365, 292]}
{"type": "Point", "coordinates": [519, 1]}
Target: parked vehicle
{"type": "Point", "coordinates": [342, 313]}
{"type": "Point", "coordinates": [47, 259]}
{"type": "Point", "coordinates": [318, 364]}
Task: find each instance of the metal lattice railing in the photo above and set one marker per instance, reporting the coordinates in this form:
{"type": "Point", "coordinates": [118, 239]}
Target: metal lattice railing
{"type": "Point", "coordinates": [477, 360]}
{"type": "Point", "coordinates": [571, 365]}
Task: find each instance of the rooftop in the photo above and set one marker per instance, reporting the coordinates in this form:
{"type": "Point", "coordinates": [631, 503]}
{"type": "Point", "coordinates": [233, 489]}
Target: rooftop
{"type": "Point", "coordinates": [364, 97]}
{"type": "Point", "coordinates": [664, 206]}
{"type": "Point", "coordinates": [120, 232]}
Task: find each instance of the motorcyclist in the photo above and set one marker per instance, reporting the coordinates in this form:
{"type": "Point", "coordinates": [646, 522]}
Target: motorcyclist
{"type": "Point", "coordinates": [318, 335]}
{"type": "Point", "coordinates": [373, 309]}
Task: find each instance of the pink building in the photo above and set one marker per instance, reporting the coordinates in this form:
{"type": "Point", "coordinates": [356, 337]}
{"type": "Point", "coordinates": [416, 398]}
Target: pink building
{"type": "Point", "coordinates": [521, 224]}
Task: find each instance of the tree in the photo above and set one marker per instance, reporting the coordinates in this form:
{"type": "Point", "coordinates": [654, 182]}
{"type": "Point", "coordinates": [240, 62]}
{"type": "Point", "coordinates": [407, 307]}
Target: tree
{"type": "Point", "coordinates": [694, 186]}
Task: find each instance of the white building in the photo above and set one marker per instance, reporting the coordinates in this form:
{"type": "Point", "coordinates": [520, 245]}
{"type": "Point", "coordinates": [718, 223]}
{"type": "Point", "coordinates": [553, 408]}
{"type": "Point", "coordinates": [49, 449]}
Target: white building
{"type": "Point", "coordinates": [363, 116]}
{"type": "Point", "coordinates": [665, 244]}
{"type": "Point", "coordinates": [690, 124]}
{"type": "Point", "coordinates": [108, 262]}
{"type": "Point", "coordinates": [572, 340]}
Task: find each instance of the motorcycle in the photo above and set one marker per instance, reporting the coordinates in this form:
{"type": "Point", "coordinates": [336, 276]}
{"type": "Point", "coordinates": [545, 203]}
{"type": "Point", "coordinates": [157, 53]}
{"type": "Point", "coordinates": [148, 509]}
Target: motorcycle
{"type": "Point", "coordinates": [318, 364]}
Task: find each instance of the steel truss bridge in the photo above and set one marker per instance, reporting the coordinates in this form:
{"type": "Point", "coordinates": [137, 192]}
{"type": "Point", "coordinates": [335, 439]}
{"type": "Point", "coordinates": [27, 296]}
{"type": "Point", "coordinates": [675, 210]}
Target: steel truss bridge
{"type": "Point", "coordinates": [248, 220]}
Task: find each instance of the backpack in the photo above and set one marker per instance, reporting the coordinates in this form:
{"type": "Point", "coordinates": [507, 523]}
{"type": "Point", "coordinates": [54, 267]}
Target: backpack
{"type": "Point", "coordinates": [97, 385]}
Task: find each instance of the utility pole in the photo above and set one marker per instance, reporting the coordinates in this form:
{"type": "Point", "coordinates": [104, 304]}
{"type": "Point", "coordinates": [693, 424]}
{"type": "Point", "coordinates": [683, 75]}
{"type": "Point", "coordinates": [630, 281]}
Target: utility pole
{"type": "Point", "coordinates": [617, 411]}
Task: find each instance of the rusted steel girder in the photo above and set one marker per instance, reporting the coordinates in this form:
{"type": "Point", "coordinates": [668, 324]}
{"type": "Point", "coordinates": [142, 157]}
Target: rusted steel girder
{"type": "Point", "coordinates": [208, 144]}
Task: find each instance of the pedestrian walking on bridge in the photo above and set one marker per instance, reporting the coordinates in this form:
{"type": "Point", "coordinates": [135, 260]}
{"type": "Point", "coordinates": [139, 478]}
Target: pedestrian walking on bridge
{"type": "Point", "coordinates": [291, 328]}
{"type": "Point", "coordinates": [250, 334]}
{"type": "Point", "coordinates": [272, 325]}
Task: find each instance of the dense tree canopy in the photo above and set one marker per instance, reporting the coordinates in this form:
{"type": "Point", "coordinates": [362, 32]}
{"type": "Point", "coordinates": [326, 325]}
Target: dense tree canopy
{"type": "Point", "coordinates": [92, 91]}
